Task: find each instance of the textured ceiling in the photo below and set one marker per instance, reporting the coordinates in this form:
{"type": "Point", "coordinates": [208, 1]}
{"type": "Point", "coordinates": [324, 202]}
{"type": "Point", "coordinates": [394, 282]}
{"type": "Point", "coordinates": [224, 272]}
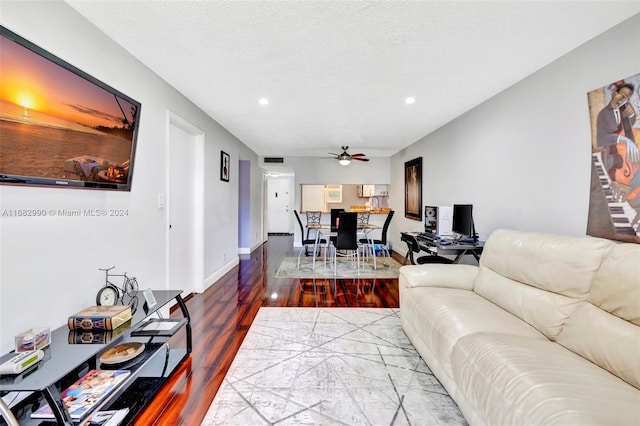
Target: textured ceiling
{"type": "Point", "coordinates": [337, 72]}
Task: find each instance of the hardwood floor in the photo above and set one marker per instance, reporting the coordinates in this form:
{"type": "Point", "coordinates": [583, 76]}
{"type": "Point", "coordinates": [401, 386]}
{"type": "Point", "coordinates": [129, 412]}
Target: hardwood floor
{"type": "Point", "coordinates": [222, 315]}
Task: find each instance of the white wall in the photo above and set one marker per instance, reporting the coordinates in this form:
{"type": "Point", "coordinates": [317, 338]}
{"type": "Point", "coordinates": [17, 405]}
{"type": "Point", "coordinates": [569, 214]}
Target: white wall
{"type": "Point", "coordinates": [49, 265]}
{"type": "Point", "coordinates": [523, 157]}
{"type": "Point", "coordinates": [322, 171]}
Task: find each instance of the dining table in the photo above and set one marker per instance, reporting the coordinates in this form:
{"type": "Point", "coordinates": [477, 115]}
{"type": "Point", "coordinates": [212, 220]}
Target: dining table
{"type": "Point", "coordinates": [326, 230]}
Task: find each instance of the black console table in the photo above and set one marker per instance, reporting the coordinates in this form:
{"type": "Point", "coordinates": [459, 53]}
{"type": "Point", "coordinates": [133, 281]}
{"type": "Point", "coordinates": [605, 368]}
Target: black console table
{"type": "Point", "coordinates": [441, 246]}
{"type": "Point", "coordinates": [67, 359]}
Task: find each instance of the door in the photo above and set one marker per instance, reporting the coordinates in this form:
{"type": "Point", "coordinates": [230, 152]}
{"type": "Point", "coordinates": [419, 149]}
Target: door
{"type": "Point", "coordinates": [185, 204]}
{"type": "Point", "coordinates": [279, 201]}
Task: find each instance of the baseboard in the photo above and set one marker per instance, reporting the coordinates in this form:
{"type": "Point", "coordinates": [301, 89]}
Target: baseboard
{"type": "Point", "coordinates": [211, 279]}
{"type": "Point", "coordinates": [247, 250]}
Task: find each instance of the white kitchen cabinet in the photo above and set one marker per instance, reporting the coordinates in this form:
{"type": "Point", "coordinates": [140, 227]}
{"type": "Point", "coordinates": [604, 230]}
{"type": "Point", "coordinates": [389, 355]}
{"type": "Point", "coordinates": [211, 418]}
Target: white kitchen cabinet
{"type": "Point", "coordinates": [373, 191]}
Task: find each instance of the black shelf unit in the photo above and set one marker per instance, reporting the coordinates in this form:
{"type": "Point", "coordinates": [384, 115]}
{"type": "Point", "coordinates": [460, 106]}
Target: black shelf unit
{"type": "Point", "coordinates": [65, 362]}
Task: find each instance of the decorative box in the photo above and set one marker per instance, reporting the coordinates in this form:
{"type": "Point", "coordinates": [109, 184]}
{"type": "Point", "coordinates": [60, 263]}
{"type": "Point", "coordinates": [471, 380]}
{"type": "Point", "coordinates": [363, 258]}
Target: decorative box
{"type": "Point", "coordinates": [97, 336]}
{"type": "Point", "coordinates": [35, 338]}
{"type": "Point", "coordinates": [100, 318]}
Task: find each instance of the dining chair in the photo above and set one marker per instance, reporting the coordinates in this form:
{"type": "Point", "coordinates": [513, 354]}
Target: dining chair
{"type": "Point", "coordinates": [382, 242]}
{"type": "Point", "coordinates": [308, 242]}
{"type": "Point", "coordinates": [335, 214]}
{"type": "Point", "coordinates": [346, 239]}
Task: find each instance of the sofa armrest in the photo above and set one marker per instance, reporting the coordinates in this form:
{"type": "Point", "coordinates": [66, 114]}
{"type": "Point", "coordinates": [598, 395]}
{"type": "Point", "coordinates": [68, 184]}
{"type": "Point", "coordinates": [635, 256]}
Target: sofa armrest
{"type": "Point", "coordinates": [458, 276]}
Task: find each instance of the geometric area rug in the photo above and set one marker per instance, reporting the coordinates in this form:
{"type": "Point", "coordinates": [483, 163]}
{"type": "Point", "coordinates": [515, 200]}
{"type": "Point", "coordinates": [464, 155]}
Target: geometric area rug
{"type": "Point", "coordinates": [335, 366]}
{"type": "Point", "coordinates": [386, 268]}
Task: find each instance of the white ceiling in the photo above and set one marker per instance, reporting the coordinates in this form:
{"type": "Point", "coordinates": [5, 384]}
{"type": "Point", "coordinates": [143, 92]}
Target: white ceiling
{"type": "Point", "coordinates": [337, 72]}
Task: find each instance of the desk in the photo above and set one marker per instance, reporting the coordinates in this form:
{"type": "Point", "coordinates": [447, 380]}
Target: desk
{"type": "Point", "coordinates": [364, 229]}
{"type": "Point", "coordinates": [442, 247]}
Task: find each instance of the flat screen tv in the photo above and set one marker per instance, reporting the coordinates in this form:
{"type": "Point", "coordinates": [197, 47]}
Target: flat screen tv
{"type": "Point", "coordinates": [59, 126]}
{"type": "Point", "coordinates": [463, 221]}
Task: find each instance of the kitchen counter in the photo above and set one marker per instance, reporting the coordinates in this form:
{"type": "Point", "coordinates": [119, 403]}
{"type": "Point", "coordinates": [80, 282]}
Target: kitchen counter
{"type": "Point", "coordinates": [376, 218]}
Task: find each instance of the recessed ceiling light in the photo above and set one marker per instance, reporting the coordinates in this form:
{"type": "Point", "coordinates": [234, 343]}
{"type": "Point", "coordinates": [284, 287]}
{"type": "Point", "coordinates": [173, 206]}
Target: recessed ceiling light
{"type": "Point", "coordinates": [409, 100]}
{"type": "Point", "coordinates": [264, 101]}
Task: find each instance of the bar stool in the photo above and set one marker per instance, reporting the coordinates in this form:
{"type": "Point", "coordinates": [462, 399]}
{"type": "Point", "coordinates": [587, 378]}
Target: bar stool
{"type": "Point", "coordinates": [363, 218]}
{"type": "Point", "coordinates": [313, 218]}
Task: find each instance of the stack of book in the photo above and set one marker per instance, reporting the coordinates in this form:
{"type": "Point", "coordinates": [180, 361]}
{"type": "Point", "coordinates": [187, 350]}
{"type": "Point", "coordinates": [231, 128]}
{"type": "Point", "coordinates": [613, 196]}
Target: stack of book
{"type": "Point", "coordinates": [100, 318]}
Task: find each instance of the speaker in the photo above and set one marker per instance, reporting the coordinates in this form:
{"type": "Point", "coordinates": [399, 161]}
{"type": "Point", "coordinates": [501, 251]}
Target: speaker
{"type": "Point", "coordinates": [445, 220]}
{"type": "Point", "coordinates": [431, 219]}
{"type": "Point", "coordinates": [438, 219]}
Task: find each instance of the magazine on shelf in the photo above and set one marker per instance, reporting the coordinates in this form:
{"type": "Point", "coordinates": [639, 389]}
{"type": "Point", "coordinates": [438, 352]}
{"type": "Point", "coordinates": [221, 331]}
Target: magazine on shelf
{"type": "Point", "coordinates": [82, 396]}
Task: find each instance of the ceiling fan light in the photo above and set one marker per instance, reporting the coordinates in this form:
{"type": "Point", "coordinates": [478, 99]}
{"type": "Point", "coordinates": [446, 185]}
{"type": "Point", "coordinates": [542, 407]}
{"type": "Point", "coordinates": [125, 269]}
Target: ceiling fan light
{"type": "Point", "coordinates": [344, 162]}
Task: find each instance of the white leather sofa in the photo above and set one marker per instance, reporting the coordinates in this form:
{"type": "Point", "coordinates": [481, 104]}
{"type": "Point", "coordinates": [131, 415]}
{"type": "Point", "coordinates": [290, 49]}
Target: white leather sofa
{"type": "Point", "coordinates": [545, 331]}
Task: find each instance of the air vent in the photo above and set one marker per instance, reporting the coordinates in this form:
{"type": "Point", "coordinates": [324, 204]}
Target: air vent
{"type": "Point", "coordinates": [273, 160]}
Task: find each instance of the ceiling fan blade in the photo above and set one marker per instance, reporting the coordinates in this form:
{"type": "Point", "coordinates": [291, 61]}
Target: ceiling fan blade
{"type": "Point", "coordinates": [359, 155]}
{"type": "Point", "coordinates": [333, 153]}
{"type": "Point", "coordinates": [360, 159]}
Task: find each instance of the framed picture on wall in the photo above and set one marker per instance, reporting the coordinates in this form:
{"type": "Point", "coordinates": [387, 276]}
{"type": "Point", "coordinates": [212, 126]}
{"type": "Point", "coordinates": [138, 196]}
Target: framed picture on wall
{"type": "Point", "coordinates": [614, 203]}
{"type": "Point", "coordinates": [333, 194]}
{"type": "Point", "coordinates": [413, 189]}
{"type": "Point", "coordinates": [224, 166]}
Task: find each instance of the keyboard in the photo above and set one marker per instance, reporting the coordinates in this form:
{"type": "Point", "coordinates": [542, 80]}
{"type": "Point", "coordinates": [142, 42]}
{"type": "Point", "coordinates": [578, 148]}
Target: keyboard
{"type": "Point", "coordinates": [428, 236]}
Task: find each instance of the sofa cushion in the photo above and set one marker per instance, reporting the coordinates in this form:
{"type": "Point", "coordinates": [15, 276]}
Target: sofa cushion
{"type": "Point", "coordinates": [441, 316]}
{"type": "Point", "coordinates": [557, 263]}
{"type": "Point", "coordinates": [540, 278]}
{"type": "Point", "coordinates": [545, 310]}
{"type": "Point", "coordinates": [606, 331]}
{"type": "Point", "coordinates": [439, 275]}
{"type": "Point", "coordinates": [616, 286]}
{"type": "Point", "coordinates": [516, 380]}
{"type": "Point", "coordinates": [606, 340]}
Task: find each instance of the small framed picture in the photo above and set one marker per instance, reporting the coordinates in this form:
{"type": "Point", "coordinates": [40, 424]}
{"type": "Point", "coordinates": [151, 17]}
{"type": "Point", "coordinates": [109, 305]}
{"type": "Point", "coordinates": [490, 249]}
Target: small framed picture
{"type": "Point", "coordinates": [333, 194]}
{"type": "Point", "coordinates": [224, 166]}
{"type": "Point", "coordinates": [149, 298]}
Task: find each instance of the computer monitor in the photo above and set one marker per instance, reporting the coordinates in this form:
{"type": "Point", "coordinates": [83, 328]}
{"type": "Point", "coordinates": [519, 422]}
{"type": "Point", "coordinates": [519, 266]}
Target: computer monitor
{"type": "Point", "coordinates": [463, 221]}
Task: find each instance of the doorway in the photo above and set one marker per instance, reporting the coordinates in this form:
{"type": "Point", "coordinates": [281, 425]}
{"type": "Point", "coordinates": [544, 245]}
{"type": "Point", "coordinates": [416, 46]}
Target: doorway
{"type": "Point", "coordinates": [185, 206]}
{"type": "Point", "coordinates": [278, 205]}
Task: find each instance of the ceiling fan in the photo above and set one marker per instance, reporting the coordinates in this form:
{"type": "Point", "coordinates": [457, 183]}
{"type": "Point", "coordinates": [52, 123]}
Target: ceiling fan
{"type": "Point", "coordinates": [345, 158]}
